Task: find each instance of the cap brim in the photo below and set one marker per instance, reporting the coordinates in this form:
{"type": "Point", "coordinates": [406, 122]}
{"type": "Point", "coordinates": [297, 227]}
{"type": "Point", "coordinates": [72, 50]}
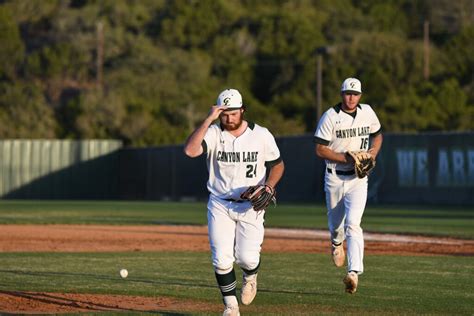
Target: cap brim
{"type": "Point", "coordinates": [352, 91]}
{"type": "Point", "coordinates": [233, 109]}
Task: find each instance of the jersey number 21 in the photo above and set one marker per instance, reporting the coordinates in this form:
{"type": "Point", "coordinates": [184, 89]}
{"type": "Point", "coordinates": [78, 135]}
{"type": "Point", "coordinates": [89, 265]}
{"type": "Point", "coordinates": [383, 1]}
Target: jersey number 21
{"type": "Point", "coordinates": [251, 171]}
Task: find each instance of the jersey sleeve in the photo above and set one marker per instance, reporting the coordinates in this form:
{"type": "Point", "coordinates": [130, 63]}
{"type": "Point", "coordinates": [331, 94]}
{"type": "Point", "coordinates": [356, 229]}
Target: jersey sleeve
{"type": "Point", "coordinates": [323, 133]}
{"type": "Point", "coordinates": [375, 126]}
{"type": "Point", "coordinates": [272, 153]}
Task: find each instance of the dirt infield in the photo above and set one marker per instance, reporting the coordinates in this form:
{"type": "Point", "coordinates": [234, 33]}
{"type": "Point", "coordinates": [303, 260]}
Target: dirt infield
{"type": "Point", "coordinates": [33, 302]}
{"type": "Point", "coordinates": [87, 238]}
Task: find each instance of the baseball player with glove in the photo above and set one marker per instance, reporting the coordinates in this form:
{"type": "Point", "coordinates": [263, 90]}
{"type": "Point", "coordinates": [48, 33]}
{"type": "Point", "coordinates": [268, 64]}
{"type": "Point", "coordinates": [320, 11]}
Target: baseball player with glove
{"type": "Point", "coordinates": [349, 138]}
{"type": "Point", "coordinates": [240, 154]}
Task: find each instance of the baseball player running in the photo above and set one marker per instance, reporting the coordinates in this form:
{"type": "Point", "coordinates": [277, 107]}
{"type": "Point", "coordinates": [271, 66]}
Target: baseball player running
{"type": "Point", "coordinates": [239, 154]}
{"type": "Point", "coordinates": [348, 126]}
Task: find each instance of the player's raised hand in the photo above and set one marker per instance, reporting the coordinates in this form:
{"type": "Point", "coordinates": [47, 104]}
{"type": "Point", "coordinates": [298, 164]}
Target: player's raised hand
{"type": "Point", "coordinates": [215, 111]}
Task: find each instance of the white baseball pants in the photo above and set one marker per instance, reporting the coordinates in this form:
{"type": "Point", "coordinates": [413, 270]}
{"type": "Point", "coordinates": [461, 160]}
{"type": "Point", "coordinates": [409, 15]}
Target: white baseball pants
{"type": "Point", "coordinates": [235, 233]}
{"type": "Point", "coordinates": [346, 197]}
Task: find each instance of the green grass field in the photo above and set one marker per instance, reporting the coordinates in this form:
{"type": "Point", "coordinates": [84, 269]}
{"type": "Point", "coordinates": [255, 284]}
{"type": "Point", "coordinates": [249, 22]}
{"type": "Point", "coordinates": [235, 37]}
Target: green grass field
{"type": "Point", "coordinates": [289, 284]}
{"type": "Point", "coordinates": [436, 221]}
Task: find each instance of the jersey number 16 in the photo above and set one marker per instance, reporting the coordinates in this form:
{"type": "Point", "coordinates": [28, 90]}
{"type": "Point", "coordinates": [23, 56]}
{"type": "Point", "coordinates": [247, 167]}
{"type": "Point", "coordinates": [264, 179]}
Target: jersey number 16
{"type": "Point", "coordinates": [364, 143]}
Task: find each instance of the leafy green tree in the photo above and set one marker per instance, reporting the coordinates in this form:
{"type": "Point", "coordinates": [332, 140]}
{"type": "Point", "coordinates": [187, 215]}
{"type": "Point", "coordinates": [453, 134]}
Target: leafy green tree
{"type": "Point", "coordinates": [234, 57]}
{"type": "Point", "coordinates": [448, 18]}
{"type": "Point", "coordinates": [97, 115]}
{"type": "Point", "coordinates": [457, 114]}
{"type": "Point", "coordinates": [194, 23]}
{"type": "Point", "coordinates": [459, 51]}
{"type": "Point", "coordinates": [58, 60]}
{"type": "Point", "coordinates": [24, 112]}
{"type": "Point", "coordinates": [28, 12]}
{"type": "Point", "coordinates": [287, 41]}
{"type": "Point", "coordinates": [158, 85]}
{"type": "Point", "coordinates": [12, 51]}
{"type": "Point", "coordinates": [388, 17]}
{"type": "Point", "coordinates": [343, 20]}
{"type": "Point", "coordinates": [164, 62]}
{"type": "Point", "coordinates": [408, 112]}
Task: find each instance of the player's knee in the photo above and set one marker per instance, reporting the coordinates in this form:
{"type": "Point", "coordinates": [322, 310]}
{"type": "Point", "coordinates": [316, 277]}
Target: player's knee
{"type": "Point", "coordinates": [223, 268]}
{"type": "Point", "coordinates": [353, 229]}
{"type": "Point", "coordinates": [248, 262]}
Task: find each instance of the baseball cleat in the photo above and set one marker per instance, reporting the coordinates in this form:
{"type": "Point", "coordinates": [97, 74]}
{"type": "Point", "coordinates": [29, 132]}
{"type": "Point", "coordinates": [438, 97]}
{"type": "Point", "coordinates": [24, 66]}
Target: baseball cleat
{"type": "Point", "coordinates": [231, 310]}
{"type": "Point", "coordinates": [338, 255]}
{"type": "Point", "coordinates": [351, 280]}
{"type": "Point", "coordinates": [249, 289]}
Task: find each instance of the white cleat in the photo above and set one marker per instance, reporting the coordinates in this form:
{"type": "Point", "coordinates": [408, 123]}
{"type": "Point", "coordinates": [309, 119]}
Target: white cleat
{"type": "Point", "coordinates": [249, 289]}
{"type": "Point", "coordinates": [231, 310]}
{"type": "Point", "coordinates": [338, 255]}
{"type": "Point", "coordinates": [351, 280]}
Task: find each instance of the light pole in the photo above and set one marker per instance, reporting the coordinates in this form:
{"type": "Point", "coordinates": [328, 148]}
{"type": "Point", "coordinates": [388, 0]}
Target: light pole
{"type": "Point", "coordinates": [100, 56]}
{"type": "Point", "coordinates": [319, 86]}
{"type": "Point", "coordinates": [320, 51]}
{"type": "Point", "coordinates": [426, 50]}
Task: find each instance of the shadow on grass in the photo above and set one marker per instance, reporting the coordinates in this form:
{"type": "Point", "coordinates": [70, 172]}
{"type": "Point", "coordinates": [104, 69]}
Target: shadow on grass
{"type": "Point", "coordinates": [78, 304]}
{"type": "Point", "coordinates": [185, 283]}
{"type": "Point", "coordinates": [421, 216]}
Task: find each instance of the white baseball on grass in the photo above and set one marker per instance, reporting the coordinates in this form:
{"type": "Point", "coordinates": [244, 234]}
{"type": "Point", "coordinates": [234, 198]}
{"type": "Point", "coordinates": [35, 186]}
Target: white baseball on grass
{"type": "Point", "coordinates": [123, 273]}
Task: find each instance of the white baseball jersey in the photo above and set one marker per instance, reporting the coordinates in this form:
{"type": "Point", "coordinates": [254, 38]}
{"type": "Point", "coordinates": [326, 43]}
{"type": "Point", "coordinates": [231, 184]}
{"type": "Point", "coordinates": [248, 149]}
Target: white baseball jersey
{"type": "Point", "coordinates": [235, 163]}
{"type": "Point", "coordinates": [346, 195]}
{"type": "Point", "coordinates": [342, 131]}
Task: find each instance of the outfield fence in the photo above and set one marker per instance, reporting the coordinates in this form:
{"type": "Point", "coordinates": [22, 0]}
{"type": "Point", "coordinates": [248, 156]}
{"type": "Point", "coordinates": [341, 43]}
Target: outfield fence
{"type": "Point", "coordinates": [59, 169]}
{"type": "Point", "coordinates": [433, 168]}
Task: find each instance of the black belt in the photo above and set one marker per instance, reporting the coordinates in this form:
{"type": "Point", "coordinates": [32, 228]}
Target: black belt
{"type": "Point", "coordinates": [342, 173]}
{"type": "Point", "coordinates": [233, 200]}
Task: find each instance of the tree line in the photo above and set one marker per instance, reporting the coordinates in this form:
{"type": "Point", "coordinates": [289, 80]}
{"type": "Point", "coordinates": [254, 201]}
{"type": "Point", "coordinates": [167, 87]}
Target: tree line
{"type": "Point", "coordinates": [147, 71]}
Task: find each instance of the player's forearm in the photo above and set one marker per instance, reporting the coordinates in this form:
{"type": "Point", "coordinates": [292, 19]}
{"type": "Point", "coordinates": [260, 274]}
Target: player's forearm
{"type": "Point", "coordinates": [193, 147]}
{"type": "Point", "coordinates": [275, 174]}
{"type": "Point", "coordinates": [376, 145]}
{"type": "Point", "coordinates": [327, 153]}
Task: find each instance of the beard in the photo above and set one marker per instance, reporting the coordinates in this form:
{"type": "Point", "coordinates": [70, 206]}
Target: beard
{"type": "Point", "coordinates": [233, 126]}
